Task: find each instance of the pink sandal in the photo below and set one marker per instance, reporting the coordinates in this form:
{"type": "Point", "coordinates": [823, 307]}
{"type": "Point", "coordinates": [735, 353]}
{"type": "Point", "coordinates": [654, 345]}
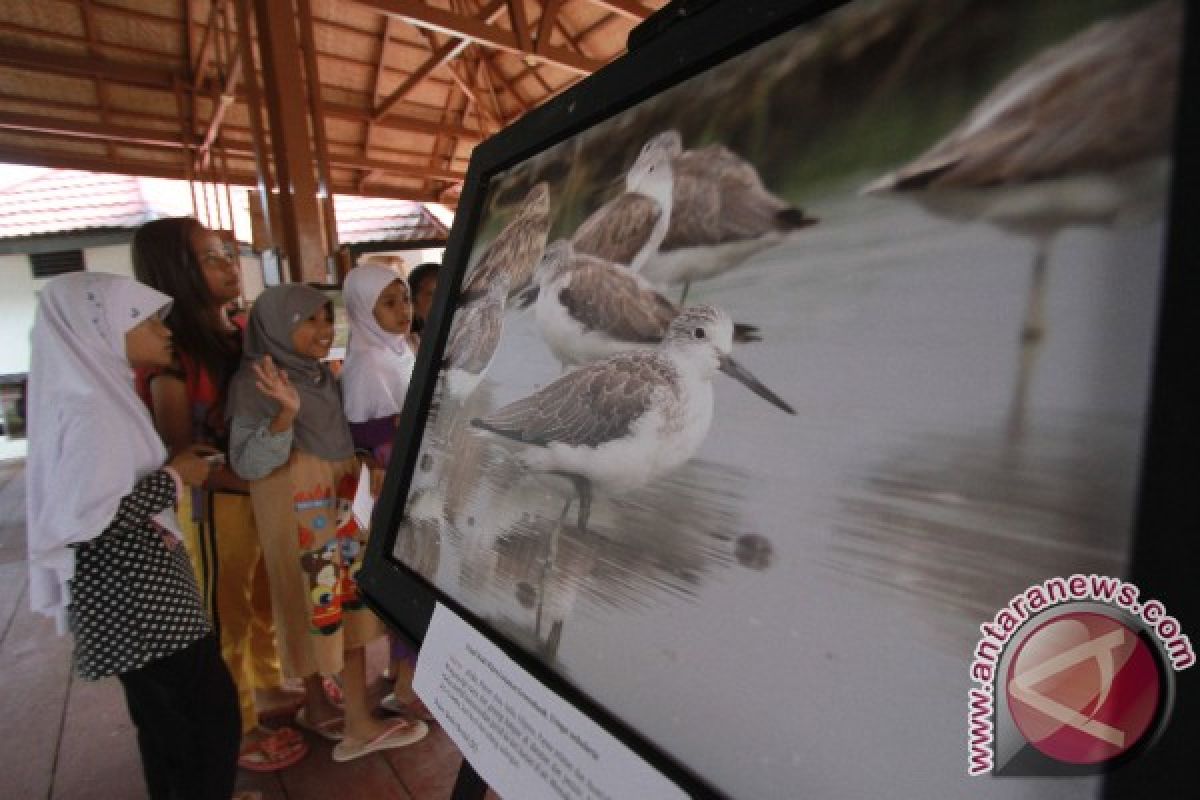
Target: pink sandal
{"type": "Point", "coordinates": [401, 734]}
{"type": "Point", "coordinates": [271, 753]}
{"type": "Point", "coordinates": [330, 730]}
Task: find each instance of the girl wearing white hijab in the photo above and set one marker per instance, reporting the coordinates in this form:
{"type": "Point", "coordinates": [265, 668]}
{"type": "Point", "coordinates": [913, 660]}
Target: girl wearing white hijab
{"type": "Point", "coordinates": [379, 360]}
{"type": "Point", "coordinates": [375, 378]}
{"type": "Point", "coordinates": [104, 557]}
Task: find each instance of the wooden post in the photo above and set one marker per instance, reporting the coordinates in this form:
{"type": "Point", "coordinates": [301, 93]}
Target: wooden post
{"type": "Point", "coordinates": [292, 152]}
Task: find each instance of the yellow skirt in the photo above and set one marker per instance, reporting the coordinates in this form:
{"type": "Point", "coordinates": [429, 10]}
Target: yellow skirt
{"type": "Point", "coordinates": [223, 544]}
{"type": "Point", "coordinates": [313, 550]}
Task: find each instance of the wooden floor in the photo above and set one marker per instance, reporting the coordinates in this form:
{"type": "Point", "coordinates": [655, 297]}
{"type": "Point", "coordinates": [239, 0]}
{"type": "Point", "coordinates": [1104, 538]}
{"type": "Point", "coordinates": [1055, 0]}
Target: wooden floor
{"type": "Point", "coordinates": [69, 739]}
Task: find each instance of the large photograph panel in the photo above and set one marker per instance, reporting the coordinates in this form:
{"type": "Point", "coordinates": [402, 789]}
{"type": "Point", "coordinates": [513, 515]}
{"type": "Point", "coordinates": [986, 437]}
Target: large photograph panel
{"type": "Point", "coordinates": [761, 395]}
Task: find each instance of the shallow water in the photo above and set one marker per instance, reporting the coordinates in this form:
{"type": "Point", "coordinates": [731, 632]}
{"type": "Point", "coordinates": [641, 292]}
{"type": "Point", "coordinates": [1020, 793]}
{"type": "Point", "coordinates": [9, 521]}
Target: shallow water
{"type": "Point", "coordinates": [792, 612]}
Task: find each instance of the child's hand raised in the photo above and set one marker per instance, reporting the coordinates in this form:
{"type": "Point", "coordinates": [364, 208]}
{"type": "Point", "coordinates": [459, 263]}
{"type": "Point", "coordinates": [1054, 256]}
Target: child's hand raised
{"type": "Point", "coordinates": [273, 382]}
{"type": "Point", "coordinates": [194, 463]}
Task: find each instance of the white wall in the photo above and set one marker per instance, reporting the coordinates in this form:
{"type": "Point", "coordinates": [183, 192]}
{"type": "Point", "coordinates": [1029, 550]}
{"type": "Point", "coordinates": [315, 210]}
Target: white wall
{"type": "Point", "coordinates": [411, 257]}
{"type": "Point", "coordinates": [252, 275]}
{"type": "Point", "coordinates": [18, 299]}
{"type": "Point", "coordinates": [117, 259]}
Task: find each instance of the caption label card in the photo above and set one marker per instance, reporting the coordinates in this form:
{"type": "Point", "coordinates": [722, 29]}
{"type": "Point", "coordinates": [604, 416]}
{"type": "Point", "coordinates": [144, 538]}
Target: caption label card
{"type": "Point", "coordinates": [522, 739]}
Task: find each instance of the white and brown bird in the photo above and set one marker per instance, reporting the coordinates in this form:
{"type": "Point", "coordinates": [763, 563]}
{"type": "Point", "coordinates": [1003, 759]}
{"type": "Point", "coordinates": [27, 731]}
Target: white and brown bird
{"type": "Point", "coordinates": [621, 422]}
{"type": "Point", "coordinates": [516, 250]}
{"type": "Point", "coordinates": [474, 336]}
{"type": "Point", "coordinates": [1079, 135]}
{"type": "Point", "coordinates": [1076, 136]}
{"type": "Point", "coordinates": [721, 215]}
{"type": "Point", "coordinates": [589, 308]}
{"type": "Point", "coordinates": [629, 228]}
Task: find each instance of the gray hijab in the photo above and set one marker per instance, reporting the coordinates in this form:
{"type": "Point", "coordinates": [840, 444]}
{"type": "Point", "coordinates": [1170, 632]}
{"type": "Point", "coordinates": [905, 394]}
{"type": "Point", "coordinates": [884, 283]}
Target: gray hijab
{"type": "Point", "coordinates": [320, 427]}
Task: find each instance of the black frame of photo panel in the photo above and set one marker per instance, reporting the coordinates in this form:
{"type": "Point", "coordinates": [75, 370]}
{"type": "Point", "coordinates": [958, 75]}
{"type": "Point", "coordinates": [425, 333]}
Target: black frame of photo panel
{"type": "Point", "coordinates": [685, 39]}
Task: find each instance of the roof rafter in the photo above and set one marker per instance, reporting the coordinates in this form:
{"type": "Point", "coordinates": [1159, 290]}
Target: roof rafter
{"type": "Point", "coordinates": [207, 44]}
{"type": "Point", "coordinates": [549, 14]}
{"type": "Point", "coordinates": [630, 9]}
{"type": "Point", "coordinates": [123, 134]}
{"type": "Point", "coordinates": [520, 25]}
{"type": "Point", "coordinates": [14, 154]}
{"type": "Point", "coordinates": [462, 26]}
{"type": "Point", "coordinates": [85, 67]}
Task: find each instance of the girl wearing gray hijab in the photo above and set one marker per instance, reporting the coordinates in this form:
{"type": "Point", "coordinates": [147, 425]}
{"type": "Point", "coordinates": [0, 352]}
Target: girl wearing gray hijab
{"type": "Point", "coordinates": [289, 438]}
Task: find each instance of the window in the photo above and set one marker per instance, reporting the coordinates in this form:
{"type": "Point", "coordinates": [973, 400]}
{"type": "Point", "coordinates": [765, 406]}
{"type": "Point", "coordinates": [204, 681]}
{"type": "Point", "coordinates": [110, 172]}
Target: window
{"type": "Point", "coordinates": [47, 265]}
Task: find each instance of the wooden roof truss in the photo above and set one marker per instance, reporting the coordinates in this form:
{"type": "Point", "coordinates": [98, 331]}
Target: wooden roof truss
{"type": "Point", "coordinates": [397, 92]}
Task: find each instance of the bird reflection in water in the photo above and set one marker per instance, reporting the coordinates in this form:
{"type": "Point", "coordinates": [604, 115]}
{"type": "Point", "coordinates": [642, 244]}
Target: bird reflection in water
{"type": "Point", "coordinates": [957, 523]}
{"type": "Point", "coordinates": [659, 542]}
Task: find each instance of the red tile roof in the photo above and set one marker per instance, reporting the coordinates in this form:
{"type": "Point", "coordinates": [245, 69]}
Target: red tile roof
{"type": "Point", "coordinates": [66, 200]}
{"type": "Point", "coordinates": [378, 219]}
{"type": "Point", "coordinates": [62, 201]}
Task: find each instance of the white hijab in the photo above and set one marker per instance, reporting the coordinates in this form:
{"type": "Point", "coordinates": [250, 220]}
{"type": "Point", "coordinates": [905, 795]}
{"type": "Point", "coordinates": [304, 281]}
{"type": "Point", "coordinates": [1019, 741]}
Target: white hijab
{"type": "Point", "coordinates": [378, 364]}
{"type": "Point", "coordinates": [90, 436]}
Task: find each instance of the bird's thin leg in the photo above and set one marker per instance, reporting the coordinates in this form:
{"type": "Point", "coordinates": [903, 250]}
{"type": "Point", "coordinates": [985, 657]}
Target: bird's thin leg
{"type": "Point", "coordinates": [583, 487]}
{"type": "Point", "coordinates": [551, 645]}
{"type": "Point", "coordinates": [549, 555]}
{"type": "Point", "coordinates": [683, 295]}
{"type": "Point", "coordinates": [1033, 331]}
{"type": "Point", "coordinates": [566, 508]}
{"type": "Point", "coordinates": [1034, 326]}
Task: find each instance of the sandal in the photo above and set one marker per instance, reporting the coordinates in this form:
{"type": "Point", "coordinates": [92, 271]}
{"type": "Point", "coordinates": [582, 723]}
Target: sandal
{"type": "Point", "coordinates": [271, 753]}
{"type": "Point", "coordinates": [331, 730]}
{"type": "Point", "coordinates": [285, 734]}
{"type": "Point", "coordinates": [401, 734]}
{"type": "Point", "coordinates": [412, 708]}
{"type": "Point", "coordinates": [333, 690]}
{"type": "Point", "coordinates": [282, 702]}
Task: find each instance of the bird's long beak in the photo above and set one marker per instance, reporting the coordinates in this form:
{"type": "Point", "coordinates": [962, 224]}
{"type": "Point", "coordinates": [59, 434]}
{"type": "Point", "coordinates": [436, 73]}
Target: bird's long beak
{"type": "Point", "coordinates": [742, 375]}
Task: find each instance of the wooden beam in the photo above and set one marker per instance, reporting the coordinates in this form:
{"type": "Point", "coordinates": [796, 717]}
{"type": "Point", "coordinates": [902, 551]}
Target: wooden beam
{"type": "Point", "coordinates": [316, 110]}
{"type": "Point", "coordinates": [57, 159]}
{"type": "Point", "coordinates": [549, 14]}
{"type": "Point", "coordinates": [373, 98]}
{"type": "Point", "coordinates": [494, 72]}
{"type": "Point", "coordinates": [520, 25]}
{"type": "Point", "coordinates": [45, 35]}
{"type": "Point", "coordinates": [483, 76]}
{"type": "Point", "coordinates": [398, 122]}
{"type": "Point", "coordinates": [630, 9]}
{"type": "Point", "coordinates": [340, 111]}
{"type": "Point", "coordinates": [35, 123]}
{"type": "Point", "coordinates": [80, 66]}
{"type": "Point", "coordinates": [291, 151]}
{"type": "Point", "coordinates": [379, 67]}
{"type": "Point", "coordinates": [440, 56]}
{"type": "Point", "coordinates": [32, 156]}
{"type": "Point", "coordinates": [207, 45]}
{"type": "Point", "coordinates": [127, 135]}
{"type": "Point", "coordinates": [86, 67]}
{"type": "Point", "coordinates": [149, 56]}
{"type": "Point", "coordinates": [493, 121]}
{"type": "Point", "coordinates": [461, 26]}
{"type": "Point", "coordinates": [89, 30]}
{"type": "Point", "coordinates": [221, 104]}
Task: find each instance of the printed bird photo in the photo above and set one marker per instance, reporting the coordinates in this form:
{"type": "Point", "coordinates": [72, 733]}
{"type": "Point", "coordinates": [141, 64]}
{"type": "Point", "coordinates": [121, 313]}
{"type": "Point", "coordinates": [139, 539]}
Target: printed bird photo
{"type": "Point", "coordinates": [802, 367]}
